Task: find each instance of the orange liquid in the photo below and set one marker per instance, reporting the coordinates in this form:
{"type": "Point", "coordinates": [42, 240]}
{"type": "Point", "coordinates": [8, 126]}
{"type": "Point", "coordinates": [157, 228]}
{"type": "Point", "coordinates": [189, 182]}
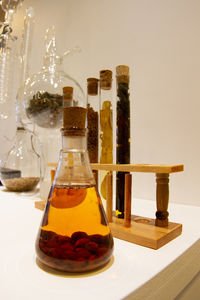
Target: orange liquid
{"type": "Point", "coordinates": [74, 235]}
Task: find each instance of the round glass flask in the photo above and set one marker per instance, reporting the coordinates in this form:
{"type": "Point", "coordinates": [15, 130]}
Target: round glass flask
{"type": "Point", "coordinates": [43, 90]}
{"type": "Point", "coordinates": [74, 235]}
{"type": "Point", "coordinates": [43, 102]}
{"type": "Point", "coordinates": [21, 167]}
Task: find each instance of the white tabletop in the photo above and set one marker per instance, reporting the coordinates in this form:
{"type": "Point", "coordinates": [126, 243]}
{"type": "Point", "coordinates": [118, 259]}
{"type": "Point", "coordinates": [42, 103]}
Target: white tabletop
{"type": "Point", "coordinates": [131, 268]}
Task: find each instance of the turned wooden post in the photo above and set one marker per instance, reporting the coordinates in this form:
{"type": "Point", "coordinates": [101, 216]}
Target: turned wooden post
{"type": "Point", "coordinates": [162, 199]}
{"type": "Point", "coordinates": [127, 200]}
{"type": "Point", "coordinates": [109, 196]}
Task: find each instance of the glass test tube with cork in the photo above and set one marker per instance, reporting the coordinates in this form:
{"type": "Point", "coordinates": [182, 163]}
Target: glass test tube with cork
{"type": "Point", "coordinates": [106, 126]}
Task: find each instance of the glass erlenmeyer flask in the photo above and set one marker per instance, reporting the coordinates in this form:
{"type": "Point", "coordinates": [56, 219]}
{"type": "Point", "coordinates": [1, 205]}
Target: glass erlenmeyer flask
{"type": "Point", "coordinates": [74, 235]}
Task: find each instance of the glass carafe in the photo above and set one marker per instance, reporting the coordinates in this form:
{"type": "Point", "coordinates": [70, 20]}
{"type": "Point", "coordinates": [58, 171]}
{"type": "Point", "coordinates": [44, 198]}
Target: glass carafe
{"type": "Point", "coordinates": [74, 235]}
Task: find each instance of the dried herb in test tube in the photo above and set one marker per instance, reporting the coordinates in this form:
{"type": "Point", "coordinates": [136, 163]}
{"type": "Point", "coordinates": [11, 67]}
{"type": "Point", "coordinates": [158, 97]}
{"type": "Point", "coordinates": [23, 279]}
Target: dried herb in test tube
{"type": "Point", "coordinates": [92, 119]}
{"type": "Point", "coordinates": [92, 141]}
{"type": "Point", "coordinates": [123, 134]}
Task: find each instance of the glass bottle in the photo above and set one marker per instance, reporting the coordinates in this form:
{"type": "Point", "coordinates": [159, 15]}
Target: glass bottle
{"type": "Point", "coordinates": [122, 134]}
{"type": "Point", "coordinates": [74, 235]}
{"type": "Point", "coordinates": [106, 125]}
{"type": "Point", "coordinates": [22, 165]}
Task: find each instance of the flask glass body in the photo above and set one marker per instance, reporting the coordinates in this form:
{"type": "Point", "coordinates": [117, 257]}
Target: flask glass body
{"type": "Point", "coordinates": [74, 235]}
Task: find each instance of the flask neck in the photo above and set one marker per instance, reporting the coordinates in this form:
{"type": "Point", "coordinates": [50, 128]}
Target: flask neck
{"type": "Point", "coordinates": [24, 139]}
{"type": "Point", "coordinates": [52, 63]}
{"type": "Point", "coordinates": [74, 143]}
{"type": "Point", "coordinates": [20, 135]}
{"type": "Point", "coordinates": [74, 166]}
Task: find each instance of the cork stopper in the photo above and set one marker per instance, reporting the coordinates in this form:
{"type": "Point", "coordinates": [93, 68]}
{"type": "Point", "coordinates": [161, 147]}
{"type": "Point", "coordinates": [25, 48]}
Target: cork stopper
{"type": "Point", "coordinates": [67, 89]}
{"type": "Point", "coordinates": [122, 74]}
{"type": "Point", "coordinates": [67, 95]}
{"type": "Point", "coordinates": [92, 86]}
{"type": "Point", "coordinates": [105, 79]}
{"type": "Point", "coordinates": [20, 128]}
{"type": "Point", "coordinates": [74, 118]}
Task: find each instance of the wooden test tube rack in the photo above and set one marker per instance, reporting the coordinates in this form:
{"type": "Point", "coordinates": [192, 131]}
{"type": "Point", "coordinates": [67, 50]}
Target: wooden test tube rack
{"type": "Point", "coordinates": [151, 233]}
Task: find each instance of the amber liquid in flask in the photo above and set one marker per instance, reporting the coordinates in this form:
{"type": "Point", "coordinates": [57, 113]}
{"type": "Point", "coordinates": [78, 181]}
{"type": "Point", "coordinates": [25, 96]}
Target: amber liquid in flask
{"type": "Point", "coordinates": [74, 235]}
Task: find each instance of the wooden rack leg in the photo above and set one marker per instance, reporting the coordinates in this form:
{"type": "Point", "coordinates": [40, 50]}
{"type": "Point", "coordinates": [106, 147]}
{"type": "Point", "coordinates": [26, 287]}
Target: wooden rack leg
{"type": "Point", "coordinates": [109, 197]}
{"type": "Point", "coordinates": [162, 199]}
{"type": "Point", "coordinates": [127, 200]}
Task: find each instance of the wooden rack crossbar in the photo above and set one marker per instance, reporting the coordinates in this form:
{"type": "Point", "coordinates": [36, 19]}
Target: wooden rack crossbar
{"type": "Point", "coordinates": [144, 168]}
{"type": "Point", "coordinates": [152, 233]}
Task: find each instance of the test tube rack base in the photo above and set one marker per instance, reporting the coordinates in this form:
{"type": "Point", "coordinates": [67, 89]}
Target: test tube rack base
{"type": "Point", "coordinates": [144, 232]}
{"type": "Point", "coordinates": [151, 233]}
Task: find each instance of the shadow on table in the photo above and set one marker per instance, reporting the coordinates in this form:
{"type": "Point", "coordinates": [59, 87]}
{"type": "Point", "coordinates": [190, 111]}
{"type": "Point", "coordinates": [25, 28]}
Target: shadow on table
{"type": "Point", "coordinates": [68, 274]}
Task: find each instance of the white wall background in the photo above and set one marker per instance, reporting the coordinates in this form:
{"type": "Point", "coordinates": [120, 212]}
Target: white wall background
{"type": "Point", "coordinates": [160, 41]}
